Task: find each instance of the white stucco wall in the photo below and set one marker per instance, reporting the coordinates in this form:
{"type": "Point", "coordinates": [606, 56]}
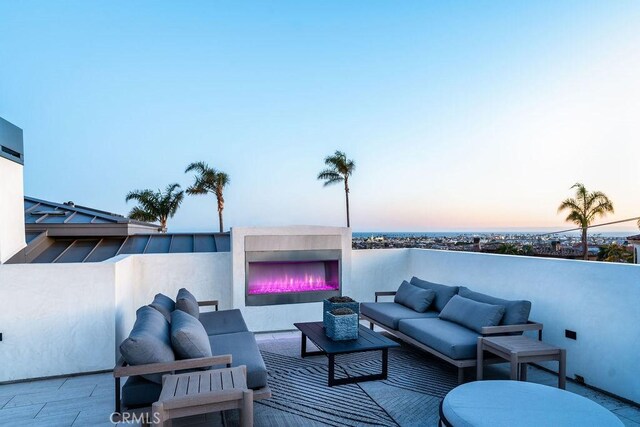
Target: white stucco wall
{"type": "Point", "coordinates": [11, 209]}
{"type": "Point", "coordinates": [56, 319]}
{"type": "Point", "coordinates": [68, 318]}
{"type": "Point", "coordinates": [279, 317]}
{"type": "Point", "coordinates": [597, 300]}
{"type": "Point", "coordinates": [140, 277]}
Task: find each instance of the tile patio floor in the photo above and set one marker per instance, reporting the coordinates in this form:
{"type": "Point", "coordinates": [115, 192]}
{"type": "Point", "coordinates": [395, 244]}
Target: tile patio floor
{"type": "Point", "coordinates": [88, 400]}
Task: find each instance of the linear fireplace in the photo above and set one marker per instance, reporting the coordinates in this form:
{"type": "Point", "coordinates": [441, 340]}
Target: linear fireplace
{"type": "Point", "coordinates": [289, 277]}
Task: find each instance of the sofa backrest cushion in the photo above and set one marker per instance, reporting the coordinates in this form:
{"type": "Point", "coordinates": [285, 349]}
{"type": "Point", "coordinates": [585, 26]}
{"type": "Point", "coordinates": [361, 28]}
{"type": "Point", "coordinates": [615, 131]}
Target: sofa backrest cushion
{"type": "Point", "coordinates": [472, 314]}
{"type": "Point", "coordinates": [164, 305]}
{"type": "Point", "coordinates": [443, 292]}
{"type": "Point", "coordinates": [414, 297]}
{"type": "Point", "coordinates": [188, 337]}
{"type": "Point", "coordinates": [186, 302]}
{"type": "Point", "coordinates": [516, 312]}
{"type": "Point", "coordinates": [149, 341]}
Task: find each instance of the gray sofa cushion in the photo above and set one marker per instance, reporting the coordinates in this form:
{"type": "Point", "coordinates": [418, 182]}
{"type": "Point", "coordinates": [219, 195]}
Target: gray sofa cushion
{"type": "Point", "coordinates": [417, 299]}
{"type": "Point", "coordinates": [149, 341]}
{"type": "Point", "coordinates": [443, 292]}
{"type": "Point", "coordinates": [472, 314]}
{"type": "Point", "coordinates": [186, 302]}
{"type": "Point", "coordinates": [138, 392]}
{"type": "Point", "coordinates": [223, 322]}
{"type": "Point", "coordinates": [164, 305]}
{"type": "Point", "coordinates": [450, 339]}
{"type": "Point", "coordinates": [188, 337]}
{"type": "Point", "coordinates": [516, 311]}
{"type": "Point", "coordinates": [389, 313]}
{"type": "Point", "coordinates": [243, 347]}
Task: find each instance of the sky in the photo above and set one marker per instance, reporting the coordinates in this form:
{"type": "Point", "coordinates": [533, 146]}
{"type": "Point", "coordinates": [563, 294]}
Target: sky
{"type": "Point", "coordinates": [459, 115]}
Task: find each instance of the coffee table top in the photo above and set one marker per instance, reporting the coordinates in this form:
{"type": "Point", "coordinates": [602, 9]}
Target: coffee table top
{"type": "Point", "coordinates": [368, 340]}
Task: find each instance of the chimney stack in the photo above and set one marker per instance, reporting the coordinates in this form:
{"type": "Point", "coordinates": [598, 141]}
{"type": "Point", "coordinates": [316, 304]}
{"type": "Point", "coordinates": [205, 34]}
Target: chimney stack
{"type": "Point", "coordinates": [12, 237]}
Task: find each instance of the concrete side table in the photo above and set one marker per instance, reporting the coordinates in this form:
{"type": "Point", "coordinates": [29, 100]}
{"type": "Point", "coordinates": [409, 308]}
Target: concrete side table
{"type": "Point", "coordinates": [520, 350]}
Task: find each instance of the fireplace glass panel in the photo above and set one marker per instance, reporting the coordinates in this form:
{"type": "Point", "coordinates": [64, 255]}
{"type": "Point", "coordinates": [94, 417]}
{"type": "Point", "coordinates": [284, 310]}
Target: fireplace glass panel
{"type": "Point", "coordinates": [282, 277]}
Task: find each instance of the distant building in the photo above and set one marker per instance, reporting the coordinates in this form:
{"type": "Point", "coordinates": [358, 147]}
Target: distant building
{"type": "Point", "coordinates": [635, 241]}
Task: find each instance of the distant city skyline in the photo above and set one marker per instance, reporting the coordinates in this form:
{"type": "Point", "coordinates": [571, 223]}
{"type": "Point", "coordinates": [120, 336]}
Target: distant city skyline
{"type": "Point", "coordinates": [460, 116]}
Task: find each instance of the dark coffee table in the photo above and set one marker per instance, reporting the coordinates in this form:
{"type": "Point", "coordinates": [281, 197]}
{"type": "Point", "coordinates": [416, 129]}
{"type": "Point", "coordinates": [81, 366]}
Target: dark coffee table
{"type": "Point", "coordinates": [368, 340]}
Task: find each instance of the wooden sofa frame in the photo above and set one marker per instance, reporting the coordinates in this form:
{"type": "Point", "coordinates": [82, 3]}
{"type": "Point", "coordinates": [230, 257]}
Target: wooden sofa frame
{"type": "Point", "coordinates": [123, 370]}
{"type": "Point", "coordinates": [460, 364]}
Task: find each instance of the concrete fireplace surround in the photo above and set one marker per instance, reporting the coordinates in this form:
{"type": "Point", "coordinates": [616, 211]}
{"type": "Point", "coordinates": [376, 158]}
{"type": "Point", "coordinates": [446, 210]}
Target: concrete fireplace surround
{"type": "Point", "coordinates": [284, 240]}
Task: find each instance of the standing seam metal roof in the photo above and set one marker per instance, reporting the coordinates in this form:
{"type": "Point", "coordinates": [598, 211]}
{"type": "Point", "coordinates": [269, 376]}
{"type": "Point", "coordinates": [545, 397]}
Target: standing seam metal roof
{"type": "Point", "coordinates": [37, 211]}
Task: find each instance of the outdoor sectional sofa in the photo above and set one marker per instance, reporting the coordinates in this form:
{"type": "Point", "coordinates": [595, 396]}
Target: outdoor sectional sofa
{"type": "Point", "coordinates": [152, 338]}
{"type": "Point", "coordinates": [446, 321]}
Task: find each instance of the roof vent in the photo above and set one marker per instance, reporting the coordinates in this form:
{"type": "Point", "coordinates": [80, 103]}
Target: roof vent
{"type": "Point", "coordinates": [69, 203]}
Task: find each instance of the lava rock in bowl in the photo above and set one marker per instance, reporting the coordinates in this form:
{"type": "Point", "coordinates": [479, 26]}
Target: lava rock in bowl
{"type": "Point", "coordinates": [339, 302]}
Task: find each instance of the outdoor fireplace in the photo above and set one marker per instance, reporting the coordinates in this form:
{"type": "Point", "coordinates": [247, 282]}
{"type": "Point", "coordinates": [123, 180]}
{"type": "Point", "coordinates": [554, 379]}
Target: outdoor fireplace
{"type": "Point", "coordinates": [289, 277]}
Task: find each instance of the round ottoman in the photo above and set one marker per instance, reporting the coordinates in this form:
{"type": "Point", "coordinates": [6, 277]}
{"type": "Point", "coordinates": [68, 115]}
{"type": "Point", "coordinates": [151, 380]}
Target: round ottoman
{"type": "Point", "coordinates": [517, 403]}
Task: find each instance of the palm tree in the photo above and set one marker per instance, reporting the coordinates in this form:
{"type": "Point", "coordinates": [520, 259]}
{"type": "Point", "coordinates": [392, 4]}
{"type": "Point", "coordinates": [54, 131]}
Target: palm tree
{"type": "Point", "coordinates": [156, 205]}
{"type": "Point", "coordinates": [339, 170]}
{"type": "Point", "coordinates": [584, 208]}
{"type": "Point", "coordinates": [615, 253]}
{"type": "Point", "coordinates": [208, 180]}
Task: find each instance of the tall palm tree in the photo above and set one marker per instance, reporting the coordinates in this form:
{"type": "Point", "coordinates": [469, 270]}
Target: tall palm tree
{"type": "Point", "coordinates": [339, 170]}
{"type": "Point", "coordinates": [208, 180]}
{"type": "Point", "coordinates": [156, 205]}
{"type": "Point", "coordinates": [584, 208]}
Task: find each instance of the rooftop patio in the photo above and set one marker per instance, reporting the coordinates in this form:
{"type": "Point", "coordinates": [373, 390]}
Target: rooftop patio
{"type": "Point", "coordinates": [84, 311]}
{"type": "Point", "coordinates": [410, 396]}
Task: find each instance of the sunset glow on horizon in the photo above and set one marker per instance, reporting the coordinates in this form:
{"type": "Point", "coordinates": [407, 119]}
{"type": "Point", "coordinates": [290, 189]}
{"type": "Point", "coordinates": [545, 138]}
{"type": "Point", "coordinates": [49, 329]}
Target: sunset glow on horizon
{"type": "Point", "coordinates": [459, 115]}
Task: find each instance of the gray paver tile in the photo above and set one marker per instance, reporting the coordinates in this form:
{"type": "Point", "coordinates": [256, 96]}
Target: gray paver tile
{"type": "Point", "coordinates": [13, 415]}
{"type": "Point", "coordinates": [59, 420]}
{"type": "Point", "coordinates": [629, 412]}
{"type": "Point", "coordinates": [90, 404]}
{"type": "Point", "coordinates": [31, 387]}
{"type": "Point", "coordinates": [50, 396]}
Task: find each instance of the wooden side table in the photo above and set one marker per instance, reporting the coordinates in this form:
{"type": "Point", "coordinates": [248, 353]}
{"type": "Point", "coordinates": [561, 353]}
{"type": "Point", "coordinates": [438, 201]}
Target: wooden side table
{"type": "Point", "coordinates": [202, 392]}
{"type": "Point", "coordinates": [520, 350]}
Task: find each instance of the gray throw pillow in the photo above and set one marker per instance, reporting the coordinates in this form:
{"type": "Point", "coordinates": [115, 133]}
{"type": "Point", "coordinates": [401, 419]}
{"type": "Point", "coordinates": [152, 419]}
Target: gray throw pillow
{"type": "Point", "coordinates": [148, 342]}
{"type": "Point", "coordinates": [186, 302]}
{"type": "Point", "coordinates": [188, 337]}
{"type": "Point", "coordinates": [415, 298]}
{"type": "Point", "coordinates": [516, 312]}
{"type": "Point", "coordinates": [472, 314]}
{"type": "Point", "coordinates": [164, 305]}
{"type": "Point", "coordinates": [443, 292]}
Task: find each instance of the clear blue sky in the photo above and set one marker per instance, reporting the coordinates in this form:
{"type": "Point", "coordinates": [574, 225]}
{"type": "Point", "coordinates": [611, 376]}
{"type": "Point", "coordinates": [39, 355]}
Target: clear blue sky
{"type": "Point", "coordinates": [459, 115]}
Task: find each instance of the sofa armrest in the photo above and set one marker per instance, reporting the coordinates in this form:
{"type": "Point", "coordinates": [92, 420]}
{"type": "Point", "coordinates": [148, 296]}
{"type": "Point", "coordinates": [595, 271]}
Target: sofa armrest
{"type": "Point", "coordinates": [505, 329]}
{"type": "Point", "coordinates": [384, 294]}
{"type": "Point", "coordinates": [212, 303]}
{"type": "Point", "coordinates": [122, 369]}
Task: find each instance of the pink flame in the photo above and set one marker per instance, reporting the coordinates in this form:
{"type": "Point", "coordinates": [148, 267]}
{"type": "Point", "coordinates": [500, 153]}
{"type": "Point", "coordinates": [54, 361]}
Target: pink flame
{"type": "Point", "coordinates": [278, 278]}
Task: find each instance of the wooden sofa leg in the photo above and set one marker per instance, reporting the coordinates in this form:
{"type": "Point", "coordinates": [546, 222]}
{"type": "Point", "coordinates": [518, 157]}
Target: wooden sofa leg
{"type": "Point", "coordinates": [460, 375]}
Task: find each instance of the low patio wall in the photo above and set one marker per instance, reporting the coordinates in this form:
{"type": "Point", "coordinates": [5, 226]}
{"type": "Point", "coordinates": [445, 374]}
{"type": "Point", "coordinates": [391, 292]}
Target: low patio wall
{"type": "Point", "coordinates": [597, 300]}
{"type": "Point", "coordinates": [60, 319]}
{"type": "Point", "coordinates": [56, 319]}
